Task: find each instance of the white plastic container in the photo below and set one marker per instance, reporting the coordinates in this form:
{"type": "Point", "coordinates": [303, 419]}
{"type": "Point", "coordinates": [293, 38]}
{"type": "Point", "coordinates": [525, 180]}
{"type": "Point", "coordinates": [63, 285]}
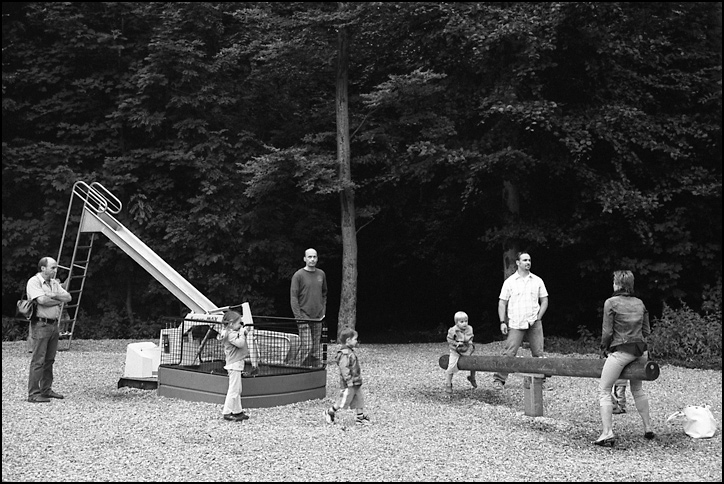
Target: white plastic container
{"type": "Point", "coordinates": [142, 360]}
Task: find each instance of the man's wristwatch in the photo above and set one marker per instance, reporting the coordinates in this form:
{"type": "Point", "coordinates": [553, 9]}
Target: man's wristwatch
{"type": "Point", "coordinates": [502, 322]}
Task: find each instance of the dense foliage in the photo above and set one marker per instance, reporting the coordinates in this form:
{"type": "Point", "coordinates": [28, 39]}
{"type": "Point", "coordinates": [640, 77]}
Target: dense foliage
{"type": "Point", "coordinates": [586, 133]}
{"type": "Point", "coordinates": [686, 337]}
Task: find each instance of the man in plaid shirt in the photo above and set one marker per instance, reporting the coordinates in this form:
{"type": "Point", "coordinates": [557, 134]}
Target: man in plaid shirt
{"type": "Point", "coordinates": [524, 300]}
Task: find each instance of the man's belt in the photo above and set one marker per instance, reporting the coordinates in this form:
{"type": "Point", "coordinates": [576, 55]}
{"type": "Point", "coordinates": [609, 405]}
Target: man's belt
{"type": "Point", "coordinates": [46, 320]}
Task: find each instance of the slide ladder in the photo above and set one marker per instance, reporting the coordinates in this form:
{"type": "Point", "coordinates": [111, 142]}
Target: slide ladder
{"type": "Point", "coordinates": [98, 207]}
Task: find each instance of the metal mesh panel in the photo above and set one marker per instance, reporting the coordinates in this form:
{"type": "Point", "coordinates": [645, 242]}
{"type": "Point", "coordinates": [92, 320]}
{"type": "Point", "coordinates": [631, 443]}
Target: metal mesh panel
{"type": "Point", "coordinates": [277, 346]}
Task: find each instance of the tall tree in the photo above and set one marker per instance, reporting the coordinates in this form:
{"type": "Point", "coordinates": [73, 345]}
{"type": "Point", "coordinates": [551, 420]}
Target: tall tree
{"type": "Point", "coordinates": [348, 299]}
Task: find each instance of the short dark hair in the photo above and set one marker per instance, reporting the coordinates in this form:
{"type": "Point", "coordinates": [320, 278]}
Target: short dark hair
{"type": "Point", "coordinates": [517, 256]}
{"type": "Point", "coordinates": [346, 334]}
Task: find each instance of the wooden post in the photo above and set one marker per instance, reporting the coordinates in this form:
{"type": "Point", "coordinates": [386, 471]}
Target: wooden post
{"type": "Point", "coordinates": [533, 394]}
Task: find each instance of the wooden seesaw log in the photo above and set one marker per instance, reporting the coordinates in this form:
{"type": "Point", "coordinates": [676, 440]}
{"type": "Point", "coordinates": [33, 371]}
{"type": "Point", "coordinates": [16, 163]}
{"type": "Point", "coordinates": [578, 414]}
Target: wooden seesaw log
{"type": "Point", "coordinates": [535, 369]}
{"type": "Point", "coordinates": [580, 367]}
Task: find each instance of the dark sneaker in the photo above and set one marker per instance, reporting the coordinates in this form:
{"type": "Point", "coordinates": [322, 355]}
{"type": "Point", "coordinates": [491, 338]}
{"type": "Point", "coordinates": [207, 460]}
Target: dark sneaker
{"type": "Point", "coordinates": [363, 420]}
{"type": "Point", "coordinates": [241, 416]}
{"type": "Point", "coordinates": [38, 399]}
{"type": "Point", "coordinates": [52, 394]}
{"type": "Point", "coordinates": [232, 417]}
{"type": "Point", "coordinates": [329, 416]}
{"type": "Point", "coordinates": [472, 381]}
{"type": "Point", "coordinates": [618, 410]}
{"type": "Point", "coordinates": [498, 386]}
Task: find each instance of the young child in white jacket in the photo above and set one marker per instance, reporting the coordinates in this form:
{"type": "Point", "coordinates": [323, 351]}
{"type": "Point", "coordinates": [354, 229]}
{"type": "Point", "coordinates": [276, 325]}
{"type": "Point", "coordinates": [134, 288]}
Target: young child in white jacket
{"type": "Point", "coordinates": [233, 337]}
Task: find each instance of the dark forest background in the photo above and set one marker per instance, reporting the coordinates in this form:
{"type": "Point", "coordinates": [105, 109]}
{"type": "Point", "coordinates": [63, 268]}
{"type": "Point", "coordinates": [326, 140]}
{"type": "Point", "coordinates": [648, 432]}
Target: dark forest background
{"type": "Point", "coordinates": [586, 133]}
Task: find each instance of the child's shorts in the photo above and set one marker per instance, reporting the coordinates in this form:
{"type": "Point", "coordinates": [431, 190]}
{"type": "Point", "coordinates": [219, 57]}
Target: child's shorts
{"type": "Point", "coordinates": [351, 397]}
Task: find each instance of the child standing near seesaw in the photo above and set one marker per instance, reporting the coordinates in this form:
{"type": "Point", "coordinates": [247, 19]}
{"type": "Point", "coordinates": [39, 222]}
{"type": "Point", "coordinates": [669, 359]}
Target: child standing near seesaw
{"type": "Point", "coordinates": [460, 342]}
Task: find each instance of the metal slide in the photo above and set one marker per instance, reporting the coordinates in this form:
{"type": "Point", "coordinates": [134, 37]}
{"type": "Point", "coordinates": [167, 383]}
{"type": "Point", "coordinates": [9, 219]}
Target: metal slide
{"type": "Point", "coordinates": [105, 223]}
{"type": "Point", "coordinates": [98, 207]}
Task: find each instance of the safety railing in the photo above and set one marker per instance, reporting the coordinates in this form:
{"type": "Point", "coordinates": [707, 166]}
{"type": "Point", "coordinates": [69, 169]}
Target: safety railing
{"type": "Point", "coordinates": [277, 346]}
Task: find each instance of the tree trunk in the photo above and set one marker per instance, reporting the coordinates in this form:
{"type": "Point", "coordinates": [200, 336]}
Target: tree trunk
{"type": "Point", "coordinates": [348, 297]}
{"type": "Point", "coordinates": [512, 202]}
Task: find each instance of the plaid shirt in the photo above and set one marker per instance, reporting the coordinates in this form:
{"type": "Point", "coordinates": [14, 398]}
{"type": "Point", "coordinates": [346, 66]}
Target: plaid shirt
{"type": "Point", "coordinates": [523, 294]}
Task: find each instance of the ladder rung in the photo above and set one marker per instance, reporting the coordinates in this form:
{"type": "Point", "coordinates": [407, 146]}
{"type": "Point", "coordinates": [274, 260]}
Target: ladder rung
{"type": "Point", "coordinates": [80, 267]}
{"type": "Point", "coordinates": [84, 247]}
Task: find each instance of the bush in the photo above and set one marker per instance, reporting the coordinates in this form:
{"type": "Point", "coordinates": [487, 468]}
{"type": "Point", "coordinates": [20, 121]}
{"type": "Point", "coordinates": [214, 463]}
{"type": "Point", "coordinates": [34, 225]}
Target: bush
{"type": "Point", "coordinates": [586, 343]}
{"type": "Point", "coordinates": [685, 337]}
{"type": "Point", "coordinates": [14, 329]}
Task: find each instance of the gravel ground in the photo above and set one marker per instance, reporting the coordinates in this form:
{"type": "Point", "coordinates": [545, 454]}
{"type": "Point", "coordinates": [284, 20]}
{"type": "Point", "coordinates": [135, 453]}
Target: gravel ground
{"type": "Point", "coordinates": [419, 433]}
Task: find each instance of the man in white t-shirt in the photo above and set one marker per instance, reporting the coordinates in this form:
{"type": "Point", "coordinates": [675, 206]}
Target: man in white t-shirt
{"type": "Point", "coordinates": [522, 304]}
